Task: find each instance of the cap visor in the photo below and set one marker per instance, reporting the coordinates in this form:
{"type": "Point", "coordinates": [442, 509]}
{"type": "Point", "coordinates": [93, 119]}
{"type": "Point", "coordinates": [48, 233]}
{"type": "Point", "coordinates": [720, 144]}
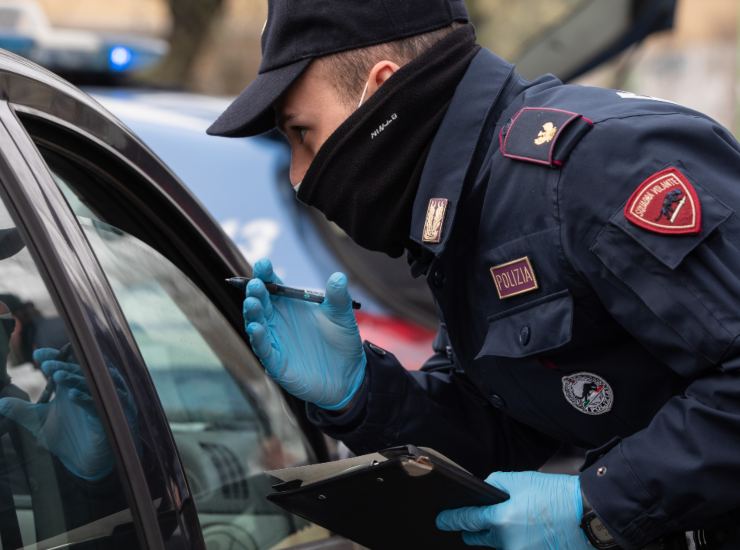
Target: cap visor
{"type": "Point", "coordinates": [251, 113]}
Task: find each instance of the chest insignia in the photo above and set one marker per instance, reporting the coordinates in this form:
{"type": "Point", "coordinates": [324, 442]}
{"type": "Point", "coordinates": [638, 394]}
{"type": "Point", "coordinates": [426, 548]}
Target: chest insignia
{"type": "Point", "coordinates": [434, 221]}
{"type": "Point", "coordinates": [666, 203]}
{"type": "Point", "coordinates": [542, 135]}
{"type": "Point", "coordinates": [514, 278]}
{"type": "Point", "coordinates": [588, 393]}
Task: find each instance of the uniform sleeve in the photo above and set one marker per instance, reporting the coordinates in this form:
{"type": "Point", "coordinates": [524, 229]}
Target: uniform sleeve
{"type": "Point", "coordinates": [679, 296]}
{"type": "Point", "coordinates": [439, 409]}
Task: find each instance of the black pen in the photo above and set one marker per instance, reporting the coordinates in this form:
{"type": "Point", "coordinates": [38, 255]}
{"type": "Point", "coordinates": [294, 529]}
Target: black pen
{"type": "Point", "coordinates": [286, 291]}
{"type": "Point", "coordinates": [65, 352]}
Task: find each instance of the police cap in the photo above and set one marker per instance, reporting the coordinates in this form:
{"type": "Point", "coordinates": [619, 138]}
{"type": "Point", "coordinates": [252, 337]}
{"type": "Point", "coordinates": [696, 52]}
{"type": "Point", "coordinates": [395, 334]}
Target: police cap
{"type": "Point", "coordinates": [298, 31]}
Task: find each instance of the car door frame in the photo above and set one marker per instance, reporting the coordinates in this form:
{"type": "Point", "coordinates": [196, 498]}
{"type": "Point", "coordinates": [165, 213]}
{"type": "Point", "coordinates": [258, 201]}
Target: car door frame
{"type": "Point", "coordinates": [59, 264]}
{"type": "Point", "coordinates": [186, 215]}
{"type": "Point", "coordinates": [83, 297]}
{"type": "Point", "coordinates": [81, 115]}
{"type": "Point", "coordinates": [64, 256]}
{"type": "Point", "coordinates": [223, 295]}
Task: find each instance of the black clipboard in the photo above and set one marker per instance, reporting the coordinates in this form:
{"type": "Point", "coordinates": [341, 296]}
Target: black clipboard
{"type": "Point", "coordinates": [384, 500]}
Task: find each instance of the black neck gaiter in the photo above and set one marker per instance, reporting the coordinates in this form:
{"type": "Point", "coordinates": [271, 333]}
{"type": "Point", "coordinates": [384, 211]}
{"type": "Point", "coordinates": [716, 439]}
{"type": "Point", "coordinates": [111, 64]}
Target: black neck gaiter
{"type": "Point", "coordinates": [364, 178]}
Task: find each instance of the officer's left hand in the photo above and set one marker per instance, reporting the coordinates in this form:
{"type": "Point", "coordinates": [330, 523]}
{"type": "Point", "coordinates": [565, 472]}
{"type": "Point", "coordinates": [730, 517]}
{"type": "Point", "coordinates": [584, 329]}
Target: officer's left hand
{"type": "Point", "coordinates": [68, 426]}
{"type": "Point", "coordinates": [543, 511]}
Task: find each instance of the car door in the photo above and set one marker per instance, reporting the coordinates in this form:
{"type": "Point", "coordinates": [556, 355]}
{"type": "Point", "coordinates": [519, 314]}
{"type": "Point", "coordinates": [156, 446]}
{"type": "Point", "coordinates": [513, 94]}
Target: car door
{"type": "Point", "coordinates": [68, 464]}
{"type": "Point", "coordinates": [210, 423]}
{"type": "Point", "coordinates": [73, 468]}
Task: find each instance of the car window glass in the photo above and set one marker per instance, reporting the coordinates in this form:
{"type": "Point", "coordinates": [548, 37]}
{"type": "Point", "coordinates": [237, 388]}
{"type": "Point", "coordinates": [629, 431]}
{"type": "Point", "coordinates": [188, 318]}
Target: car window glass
{"type": "Point", "coordinates": [228, 420]}
{"type": "Point", "coordinates": [59, 485]}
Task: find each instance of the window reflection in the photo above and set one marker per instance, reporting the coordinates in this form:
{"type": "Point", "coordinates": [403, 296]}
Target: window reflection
{"type": "Point", "coordinates": [228, 419]}
{"type": "Point", "coordinates": [58, 480]}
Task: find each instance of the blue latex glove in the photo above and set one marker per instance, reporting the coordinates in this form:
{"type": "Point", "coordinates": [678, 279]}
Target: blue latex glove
{"type": "Point", "coordinates": [68, 426]}
{"type": "Point", "coordinates": [314, 351]}
{"type": "Point", "coordinates": [543, 511]}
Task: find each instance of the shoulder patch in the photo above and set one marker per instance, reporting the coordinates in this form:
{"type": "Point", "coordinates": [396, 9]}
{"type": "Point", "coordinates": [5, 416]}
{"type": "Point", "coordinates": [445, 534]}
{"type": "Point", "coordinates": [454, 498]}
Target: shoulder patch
{"type": "Point", "coordinates": [666, 203]}
{"type": "Point", "coordinates": [543, 135]}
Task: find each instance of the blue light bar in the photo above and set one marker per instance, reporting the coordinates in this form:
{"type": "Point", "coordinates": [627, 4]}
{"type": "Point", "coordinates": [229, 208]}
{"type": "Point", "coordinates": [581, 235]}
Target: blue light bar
{"type": "Point", "coordinates": [119, 55]}
{"type": "Point", "coordinates": [75, 51]}
{"type": "Point", "coordinates": [130, 54]}
{"type": "Point", "coordinates": [120, 58]}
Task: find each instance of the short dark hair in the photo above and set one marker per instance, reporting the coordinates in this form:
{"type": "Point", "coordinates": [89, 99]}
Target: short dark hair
{"type": "Point", "coordinates": [348, 70]}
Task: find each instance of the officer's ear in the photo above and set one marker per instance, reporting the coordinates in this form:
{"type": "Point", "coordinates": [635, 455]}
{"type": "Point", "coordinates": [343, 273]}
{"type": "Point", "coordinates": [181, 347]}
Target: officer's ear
{"type": "Point", "coordinates": [380, 72]}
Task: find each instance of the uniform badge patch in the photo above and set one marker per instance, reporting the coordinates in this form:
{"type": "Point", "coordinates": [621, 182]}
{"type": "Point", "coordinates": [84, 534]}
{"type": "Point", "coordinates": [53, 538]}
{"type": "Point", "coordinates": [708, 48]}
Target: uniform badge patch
{"type": "Point", "coordinates": [666, 203]}
{"type": "Point", "coordinates": [434, 221]}
{"type": "Point", "coordinates": [588, 393]}
{"type": "Point", "coordinates": [514, 278]}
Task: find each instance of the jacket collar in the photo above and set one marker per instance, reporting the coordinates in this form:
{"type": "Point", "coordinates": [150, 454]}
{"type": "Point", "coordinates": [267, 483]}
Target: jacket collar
{"type": "Point", "coordinates": [477, 98]}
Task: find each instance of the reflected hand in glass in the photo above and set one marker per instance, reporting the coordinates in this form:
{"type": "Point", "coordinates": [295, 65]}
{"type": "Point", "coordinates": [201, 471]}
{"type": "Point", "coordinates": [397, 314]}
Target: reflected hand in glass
{"type": "Point", "coordinates": [68, 426]}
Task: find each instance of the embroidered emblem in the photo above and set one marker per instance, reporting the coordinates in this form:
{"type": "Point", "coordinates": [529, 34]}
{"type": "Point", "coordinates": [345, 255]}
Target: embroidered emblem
{"type": "Point", "coordinates": [434, 221]}
{"type": "Point", "coordinates": [546, 134]}
{"type": "Point", "coordinates": [514, 278]}
{"type": "Point", "coordinates": [666, 203]}
{"type": "Point", "coordinates": [588, 393]}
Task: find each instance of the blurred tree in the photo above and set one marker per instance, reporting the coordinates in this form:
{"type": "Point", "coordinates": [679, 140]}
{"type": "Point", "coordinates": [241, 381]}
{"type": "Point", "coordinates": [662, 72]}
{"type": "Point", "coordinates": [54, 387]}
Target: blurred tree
{"type": "Point", "coordinates": [190, 28]}
{"type": "Point", "coordinates": [505, 26]}
{"type": "Point", "coordinates": [476, 12]}
{"type": "Point", "coordinates": [223, 62]}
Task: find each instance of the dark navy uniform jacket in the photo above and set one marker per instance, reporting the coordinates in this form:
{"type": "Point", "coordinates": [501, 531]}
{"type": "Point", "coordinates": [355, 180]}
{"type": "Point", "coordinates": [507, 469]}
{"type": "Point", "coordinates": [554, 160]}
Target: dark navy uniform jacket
{"type": "Point", "coordinates": [626, 340]}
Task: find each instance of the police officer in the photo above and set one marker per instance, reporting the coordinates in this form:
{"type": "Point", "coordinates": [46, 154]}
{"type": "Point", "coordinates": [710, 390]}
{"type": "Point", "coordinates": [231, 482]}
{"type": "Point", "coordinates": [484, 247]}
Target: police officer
{"type": "Point", "coordinates": [581, 245]}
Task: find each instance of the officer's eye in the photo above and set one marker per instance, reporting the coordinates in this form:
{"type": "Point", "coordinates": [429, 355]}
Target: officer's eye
{"type": "Point", "coordinates": [300, 132]}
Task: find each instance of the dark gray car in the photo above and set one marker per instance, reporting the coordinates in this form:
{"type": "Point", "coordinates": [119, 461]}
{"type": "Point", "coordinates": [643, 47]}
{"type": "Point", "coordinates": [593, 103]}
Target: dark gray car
{"type": "Point", "coordinates": [119, 259]}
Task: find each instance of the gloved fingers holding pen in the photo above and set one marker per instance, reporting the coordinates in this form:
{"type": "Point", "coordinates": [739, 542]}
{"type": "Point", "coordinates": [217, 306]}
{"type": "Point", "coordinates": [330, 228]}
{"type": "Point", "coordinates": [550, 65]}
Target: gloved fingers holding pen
{"type": "Point", "coordinates": [313, 350]}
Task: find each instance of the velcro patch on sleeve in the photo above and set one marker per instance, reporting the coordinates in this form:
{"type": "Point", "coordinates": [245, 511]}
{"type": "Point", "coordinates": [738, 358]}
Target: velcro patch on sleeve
{"type": "Point", "coordinates": [543, 135]}
{"type": "Point", "coordinates": [667, 203]}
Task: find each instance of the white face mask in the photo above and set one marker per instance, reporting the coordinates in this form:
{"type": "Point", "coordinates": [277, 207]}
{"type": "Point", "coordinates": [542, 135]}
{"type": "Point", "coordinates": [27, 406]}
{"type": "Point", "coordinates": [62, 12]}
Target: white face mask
{"type": "Point", "coordinates": [364, 91]}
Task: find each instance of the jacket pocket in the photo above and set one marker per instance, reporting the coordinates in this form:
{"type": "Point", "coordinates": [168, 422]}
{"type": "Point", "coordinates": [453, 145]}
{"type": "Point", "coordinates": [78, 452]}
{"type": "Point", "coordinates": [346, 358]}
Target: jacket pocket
{"type": "Point", "coordinates": [533, 328]}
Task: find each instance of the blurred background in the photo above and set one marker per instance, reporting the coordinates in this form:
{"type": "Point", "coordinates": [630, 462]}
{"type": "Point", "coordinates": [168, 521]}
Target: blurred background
{"type": "Point", "coordinates": [215, 44]}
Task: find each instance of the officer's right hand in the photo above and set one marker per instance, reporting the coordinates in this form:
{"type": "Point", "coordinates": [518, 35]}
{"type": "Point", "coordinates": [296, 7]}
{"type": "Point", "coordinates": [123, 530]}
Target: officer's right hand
{"type": "Point", "coordinates": [314, 351]}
